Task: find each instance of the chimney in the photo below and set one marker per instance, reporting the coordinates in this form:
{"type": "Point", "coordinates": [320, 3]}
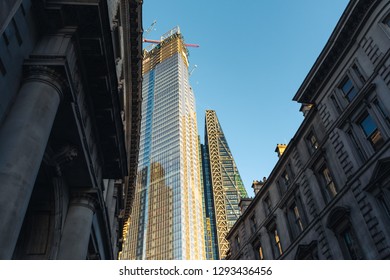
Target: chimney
{"type": "Point", "coordinates": [280, 149]}
{"type": "Point", "coordinates": [257, 185]}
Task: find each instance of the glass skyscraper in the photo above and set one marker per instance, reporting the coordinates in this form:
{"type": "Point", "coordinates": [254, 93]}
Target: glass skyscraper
{"type": "Point", "coordinates": [223, 188]}
{"type": "Point", "coordinates": [167, 219]}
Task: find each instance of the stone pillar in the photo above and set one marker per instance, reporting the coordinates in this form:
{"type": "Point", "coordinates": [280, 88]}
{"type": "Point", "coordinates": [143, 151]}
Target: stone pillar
{"type": "Point", "coordinates": [77, 229]}
{"type": "Point", "coordinates": [23, 139]}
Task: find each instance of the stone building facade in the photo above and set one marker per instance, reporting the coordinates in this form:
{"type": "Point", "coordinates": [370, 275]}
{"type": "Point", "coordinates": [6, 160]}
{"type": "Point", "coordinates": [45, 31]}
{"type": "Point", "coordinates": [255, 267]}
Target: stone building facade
{"type": "Point", "coordinates": [70, 77]}
{"type": "Point", "coordinates": [328, 197]}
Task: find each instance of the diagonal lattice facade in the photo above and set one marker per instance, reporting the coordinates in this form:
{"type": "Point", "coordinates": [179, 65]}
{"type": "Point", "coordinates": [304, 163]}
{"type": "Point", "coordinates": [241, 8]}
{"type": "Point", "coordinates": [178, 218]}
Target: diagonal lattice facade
{"type": "Point", "coordinates": [226, 184]}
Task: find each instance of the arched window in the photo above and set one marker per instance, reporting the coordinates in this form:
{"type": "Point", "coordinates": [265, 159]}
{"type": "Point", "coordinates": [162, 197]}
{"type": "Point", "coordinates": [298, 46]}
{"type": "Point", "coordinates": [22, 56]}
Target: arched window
{"type": "Point", "coordinates": [340, 223]}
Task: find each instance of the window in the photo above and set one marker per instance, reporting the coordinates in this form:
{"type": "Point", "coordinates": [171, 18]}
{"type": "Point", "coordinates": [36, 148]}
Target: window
{"type": "Point", "coordinates": [286, 179]}
{"type": "Point", "coordinates": [349, 242]}
{"type": "Point", "coordinates": [340, 223]}
{"type": "Point", "coordinates": [387, 20]}
{"type": "Point", "coordinates": [312, 142]}
{"type": "Point", "coordinates": [17, 33]}
{"type": "Point", "coordinates": [259, 255]}
{"type": "Point", "coordinates": [275, 240]}
{"type": "Point", "coordinates": [371, 131]}
{"type": "Point", "coordinates": [348, 89]}
{"type": "Point", "coordinates": [328, 183]}
{"type": "Point", "coordinates": [258, 251]}
{"type": "Point", "coordinates": [277, 245]}
{"type": "Point", "coordinates": [253, 223]}
{"type": "Point", "coordinates": [237, 242]}
{"type": "Point", "coordinates": [267, 205]}
{"type": "Point", "coordinates": [296, 217]}
{"type": "Point", "coordinates": [5, 37]}
{"type": "Point", "coordinates": [3, 71]}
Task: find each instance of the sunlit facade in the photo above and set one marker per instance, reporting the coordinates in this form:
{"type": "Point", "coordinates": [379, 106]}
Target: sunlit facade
{"type": "Point", "coordinates": [328, 196]}
{"type": "Point", "coordinates": [223, 188]}
{"type": "Point", "coordinates": [167, 217]}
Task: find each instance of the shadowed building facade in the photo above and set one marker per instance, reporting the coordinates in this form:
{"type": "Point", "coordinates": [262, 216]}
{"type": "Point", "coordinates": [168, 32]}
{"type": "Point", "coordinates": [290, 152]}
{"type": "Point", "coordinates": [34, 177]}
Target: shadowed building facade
{"type": "Point", "coordinates": [328, 195]}
{"type": "Point", "coordinates": [167, 220]}
{"type": "Point", "coordinates": [70, 77]}
{"type": "Point", "coordinates": [222, 186]}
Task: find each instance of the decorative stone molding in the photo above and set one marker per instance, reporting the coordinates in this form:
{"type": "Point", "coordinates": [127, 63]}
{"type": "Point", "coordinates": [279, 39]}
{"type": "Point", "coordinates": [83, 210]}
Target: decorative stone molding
{"type": "Point", "coordinates": [85, 200]}
{"type": "Point", "coordinates": [64, 157]}
{"type": "Point", "coordinates": [46, 75]}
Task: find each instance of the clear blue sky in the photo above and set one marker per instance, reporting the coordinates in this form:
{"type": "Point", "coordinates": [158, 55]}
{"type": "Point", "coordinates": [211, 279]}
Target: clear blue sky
{"type": "Point", "coordinates": [253, 56]}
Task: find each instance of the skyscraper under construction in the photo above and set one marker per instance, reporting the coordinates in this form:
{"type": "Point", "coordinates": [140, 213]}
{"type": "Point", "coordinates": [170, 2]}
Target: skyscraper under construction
{"type": "Point", "coordinates": [167, 219]}
{"type": "Point", "coordinates": [223, 188]}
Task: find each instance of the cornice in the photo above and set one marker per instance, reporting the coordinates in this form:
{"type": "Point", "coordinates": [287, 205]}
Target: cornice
{"type": "Point", "coordinates": [343, 36]}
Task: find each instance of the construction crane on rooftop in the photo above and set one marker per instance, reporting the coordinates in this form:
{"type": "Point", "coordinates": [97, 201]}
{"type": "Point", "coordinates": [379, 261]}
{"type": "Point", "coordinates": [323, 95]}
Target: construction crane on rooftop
{"type": "Point", "coordinates": [158, 42]}
{"type": "Point", "coordinates": [151, 27]}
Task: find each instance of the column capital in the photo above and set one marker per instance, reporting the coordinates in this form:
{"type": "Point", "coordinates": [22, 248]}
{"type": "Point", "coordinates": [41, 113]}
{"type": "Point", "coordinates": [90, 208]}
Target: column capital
{"type": "Point", "coordinates": [47, 75]}
{"type": "Point", "coordinates": [84, 199]}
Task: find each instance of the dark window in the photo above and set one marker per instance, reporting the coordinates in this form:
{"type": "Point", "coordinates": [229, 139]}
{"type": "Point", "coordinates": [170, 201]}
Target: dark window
{"type": "Point", "coordinates": [387, 20]}
{"type": "Point", "coordinates": [350, 244]}
{"type": "Point", "coordinates": [328, 183]}
{"type": "Point", "coordinates": [339, 221]}
{"type": "Point", "coordinates": [17, 33]}
{"type": "Point", "coordinates": [237, 242]}
{"type": "Point", "coordinates": [22, 9]}
{"type": "Point", "coordinates": [5, 37]}
{"type": "Point", "coordinates": [286, 179]}
{"type": "Point", "coordinates": [2, 68]}
{"type": "Point", "coordinates": [312, 142]}
{"type": "Point", "coordinates": [253, 223]}
{"type": "Point", "coordinates": [267, 205]}
{"type": "Point", "coordinates": [371, 131]}
{"type": "Point", "coordinates": [348, 89]}
{"type": "Point", "coordinates": [296, 219]}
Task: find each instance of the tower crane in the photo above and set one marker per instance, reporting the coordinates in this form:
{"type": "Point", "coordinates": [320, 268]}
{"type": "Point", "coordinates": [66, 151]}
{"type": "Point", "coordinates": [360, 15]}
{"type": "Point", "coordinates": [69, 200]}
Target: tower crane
{"type": "Point", "coordinates": [159, 41]}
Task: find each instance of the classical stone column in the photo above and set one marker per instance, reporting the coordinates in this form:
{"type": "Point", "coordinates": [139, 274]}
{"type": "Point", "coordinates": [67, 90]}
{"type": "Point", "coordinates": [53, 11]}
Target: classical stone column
{"type": "Point", "coordinates": [77, 229]}
{"type": "Point", "coordinates": [23, 138]}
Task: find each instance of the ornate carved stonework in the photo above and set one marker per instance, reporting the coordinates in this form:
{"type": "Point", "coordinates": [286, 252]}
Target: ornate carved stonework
{"type": "Point", "coordinates": [46, 75]}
